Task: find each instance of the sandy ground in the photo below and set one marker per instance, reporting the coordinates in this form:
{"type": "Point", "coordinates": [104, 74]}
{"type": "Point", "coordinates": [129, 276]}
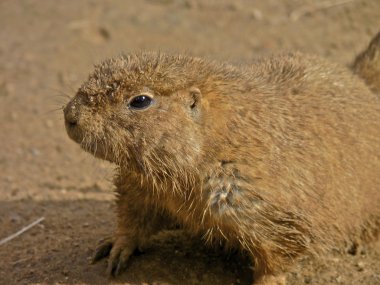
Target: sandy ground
{"type": "Point", "coordinates": [47, 48]}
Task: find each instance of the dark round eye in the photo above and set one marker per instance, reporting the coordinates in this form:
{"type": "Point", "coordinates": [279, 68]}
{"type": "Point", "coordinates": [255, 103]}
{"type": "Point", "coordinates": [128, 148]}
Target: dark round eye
{"type": "Point", "coordinates": [140, 102]}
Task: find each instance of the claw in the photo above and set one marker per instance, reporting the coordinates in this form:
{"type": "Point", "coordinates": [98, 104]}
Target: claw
{"type": "Point", "coordinates": [112, 265]}
{"type": "Point", "coordinates": [118, 262]}
{"type": "Point", "coordinates": [102, 251]}
{"type": "Point", "coordinates": [122, 264]}
{"type": "Point", "coordinates": [118, 251]}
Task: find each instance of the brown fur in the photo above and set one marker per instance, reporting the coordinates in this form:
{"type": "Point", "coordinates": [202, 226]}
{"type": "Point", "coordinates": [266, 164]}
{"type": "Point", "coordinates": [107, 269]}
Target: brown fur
{"type": "Point", "coordinates": [280, 159]}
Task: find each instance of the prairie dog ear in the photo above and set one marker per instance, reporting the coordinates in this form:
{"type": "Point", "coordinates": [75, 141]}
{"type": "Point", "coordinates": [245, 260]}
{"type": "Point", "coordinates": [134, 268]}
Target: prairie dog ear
{"type": "Point", "coordinates": [195, 101]}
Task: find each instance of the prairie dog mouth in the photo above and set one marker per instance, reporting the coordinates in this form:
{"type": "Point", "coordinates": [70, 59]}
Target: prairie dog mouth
{"type": "Point", "coordinates": [74, 132]}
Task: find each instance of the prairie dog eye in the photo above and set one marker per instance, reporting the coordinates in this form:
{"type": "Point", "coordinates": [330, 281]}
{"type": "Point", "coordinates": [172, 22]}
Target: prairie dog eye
{"type": "Point", "coordinates": [140, 102]}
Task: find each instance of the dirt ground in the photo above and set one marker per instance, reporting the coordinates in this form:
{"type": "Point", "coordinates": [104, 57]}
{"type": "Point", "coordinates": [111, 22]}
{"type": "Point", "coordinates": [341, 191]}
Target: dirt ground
{"type": "Point", "coordinates": [47, 48]}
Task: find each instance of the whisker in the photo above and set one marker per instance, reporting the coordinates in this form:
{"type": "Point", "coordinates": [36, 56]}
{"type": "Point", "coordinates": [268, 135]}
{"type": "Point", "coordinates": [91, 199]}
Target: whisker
{"type": "Point", "coordinates": [61, 93]}
{"type": "Point", "coordinates": [52, 111]}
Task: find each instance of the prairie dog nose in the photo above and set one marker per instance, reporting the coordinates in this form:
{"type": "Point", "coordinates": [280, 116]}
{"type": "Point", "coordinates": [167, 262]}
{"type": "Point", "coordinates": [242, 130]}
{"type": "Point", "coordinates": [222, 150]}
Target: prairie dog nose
{"type": "Point", "coordinates": [71, 113]}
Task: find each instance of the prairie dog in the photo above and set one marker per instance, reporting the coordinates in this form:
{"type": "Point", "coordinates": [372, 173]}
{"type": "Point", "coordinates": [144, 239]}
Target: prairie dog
{"type": "Point", "coordinates": [280, 159]}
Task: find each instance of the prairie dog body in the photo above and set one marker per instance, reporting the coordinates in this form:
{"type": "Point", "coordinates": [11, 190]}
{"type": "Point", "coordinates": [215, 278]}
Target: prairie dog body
{"type": "Point", "coordinates": [281, 159]}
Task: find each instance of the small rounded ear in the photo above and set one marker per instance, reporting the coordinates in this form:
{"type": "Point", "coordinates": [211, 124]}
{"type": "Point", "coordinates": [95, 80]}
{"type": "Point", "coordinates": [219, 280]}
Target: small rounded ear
{"type": "Point", "coordinates": [195, 104]}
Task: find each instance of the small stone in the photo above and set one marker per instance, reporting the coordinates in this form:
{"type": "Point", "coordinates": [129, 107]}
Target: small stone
{"type": "Point", "coordinates": [360, 266]}
{"type": "Point", "coordinates": [15, 218]}
{"type": "Point", "coordinates": [104, 33]}
{"type": "Point", "coordinates": [35, 151]}
{"type": "Point", "coordinates": [256, 14]}
{"type": "Point", "coordinates": [307, 279]}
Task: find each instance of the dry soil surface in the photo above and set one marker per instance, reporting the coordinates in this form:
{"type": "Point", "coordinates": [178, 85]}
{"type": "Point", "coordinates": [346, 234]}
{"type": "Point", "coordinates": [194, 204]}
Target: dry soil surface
{"type": "Point", "coordinates": [47, 48]}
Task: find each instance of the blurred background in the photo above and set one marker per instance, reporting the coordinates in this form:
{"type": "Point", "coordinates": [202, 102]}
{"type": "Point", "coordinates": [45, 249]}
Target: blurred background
{"type": "Point", "coordinates": [47, 48]}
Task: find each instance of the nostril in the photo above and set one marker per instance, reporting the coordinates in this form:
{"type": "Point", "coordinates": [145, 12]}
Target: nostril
{"type": "Point", "coordinates": [71, 117]}
{"type": "Point", "coordinates": [71, 120]}
{"type": "Point", "coordinates": [72, 123]}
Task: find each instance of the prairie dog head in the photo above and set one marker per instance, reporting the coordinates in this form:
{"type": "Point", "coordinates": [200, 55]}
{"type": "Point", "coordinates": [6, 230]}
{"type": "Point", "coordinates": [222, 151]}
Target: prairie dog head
{"type": "Point", "coordinates": [142, 112]}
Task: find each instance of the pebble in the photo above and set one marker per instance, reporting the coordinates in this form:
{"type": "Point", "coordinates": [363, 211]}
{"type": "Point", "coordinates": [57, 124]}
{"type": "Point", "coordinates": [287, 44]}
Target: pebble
{"type": "Point", "coordinates": [104, 33]}
{"type": "Point", "coordinates": [256, 14]}
{"type": "Point", "coordinates": [15, 218]}
{"type": "Point", "coordinates": [35, 151]}
{"type": "Point", "coordinates": [360, 266]}
{"type": "Point", "coordinates": [307, 280]}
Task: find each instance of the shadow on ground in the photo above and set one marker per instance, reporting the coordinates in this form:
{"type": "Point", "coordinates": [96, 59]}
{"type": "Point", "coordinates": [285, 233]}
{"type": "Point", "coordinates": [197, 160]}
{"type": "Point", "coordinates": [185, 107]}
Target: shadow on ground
{"type": "Point", "coordinates": [60, 248]}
